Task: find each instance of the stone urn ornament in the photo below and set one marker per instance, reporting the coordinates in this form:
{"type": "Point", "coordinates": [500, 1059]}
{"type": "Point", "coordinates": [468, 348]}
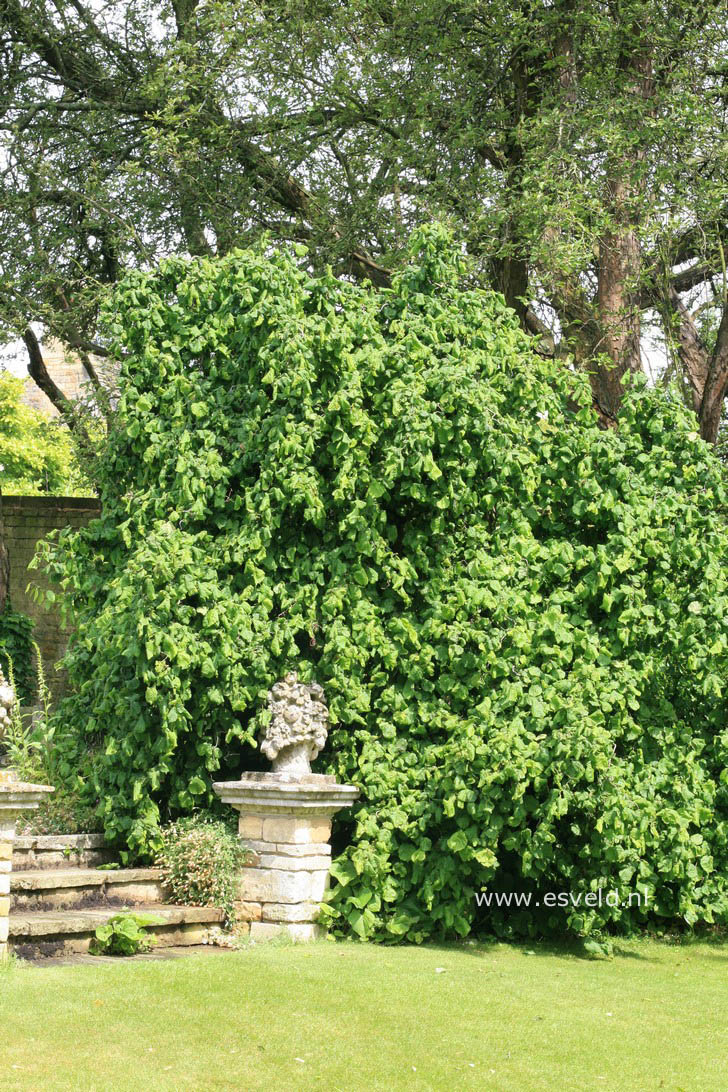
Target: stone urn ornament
{"type": "Point", "coordinates": [285, 818]}
{"type": "Point", "coordinates": [299, 725]}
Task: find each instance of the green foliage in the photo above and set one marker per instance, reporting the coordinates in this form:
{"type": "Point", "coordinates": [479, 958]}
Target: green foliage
{"type": "Point", "coordinates": [16, 653]}
{"type": "Point", "coordinates": [578, 147]}
{"type": "Point", "coordinates": [124, 935]}
{"type": "Point", "coordinates": [36, 454]}
{"type": "Point", "coordinates": [520, 621]}
{"type": "Point", "coordinates": [65, 812]}
{"type": "Point", "coordinates": [201, 860]}
{"type": "Point", "coordinates": [29, 739]}
{"type": "Point", "coordinates": [33, 745]}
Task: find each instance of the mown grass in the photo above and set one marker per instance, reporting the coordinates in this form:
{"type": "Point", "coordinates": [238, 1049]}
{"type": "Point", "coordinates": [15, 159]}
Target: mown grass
{"type": "Point", "coordinates": [359, 1017]}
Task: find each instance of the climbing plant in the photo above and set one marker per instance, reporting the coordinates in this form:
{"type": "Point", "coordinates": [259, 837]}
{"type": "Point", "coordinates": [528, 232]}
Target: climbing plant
{"type": "Point", "coordinates": [17, 651]}
{"type": "Point", "coordinates": [519, 619]}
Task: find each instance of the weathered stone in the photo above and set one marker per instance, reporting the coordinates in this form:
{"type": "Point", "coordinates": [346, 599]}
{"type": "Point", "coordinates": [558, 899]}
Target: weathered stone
{"type": "Point", "coordinates": [295, 911]}
{"type": "Point", "coordinates": [296, 830]}
{"type": "Point", "coordinates": [310, 849]}
{"type": "Point", "coordinates": [15, 798]}
{"type": "Point", "coordinates": [274, 885]}
{"type": "Point", "coordinates": [64, 843]}
{"type": "Point", "coordinates": [298, 727]}
{"type": "Point", "coordinates": [69, 888]}
{"type": "Point", "coordinates": [248, 911]}
{"type": "Point", "coordinates": [250, 826]}
{"type": "Point", "coordinates": [257, 845]}
{"type": "Point", "coordinates": [301, 931]}
{"type": "Point", "coordinates": [60, 932]}
{"type": "Point", "coordinates": [285, 816]}
{"type": "Point", "coordinates": [294, 864]}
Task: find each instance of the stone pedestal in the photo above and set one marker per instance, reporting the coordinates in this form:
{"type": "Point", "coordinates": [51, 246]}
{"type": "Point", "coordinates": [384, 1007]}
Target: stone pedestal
{"type": "Point", "coordinates": [15, 798]}
{"type": "Point", "coordinates": [285, 820]}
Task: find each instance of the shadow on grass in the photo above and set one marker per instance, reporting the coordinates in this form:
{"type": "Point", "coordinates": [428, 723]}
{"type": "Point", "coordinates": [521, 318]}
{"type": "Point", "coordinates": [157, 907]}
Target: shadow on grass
{"type": "Point", "coordinates": [572, 948]}
{"type": "Point", "coordinates": [567, 948]}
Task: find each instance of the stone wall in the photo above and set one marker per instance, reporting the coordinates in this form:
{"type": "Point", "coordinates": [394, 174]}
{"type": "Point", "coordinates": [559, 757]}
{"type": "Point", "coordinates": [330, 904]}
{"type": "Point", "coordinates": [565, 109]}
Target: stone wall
{"type": "Point", "coordinates": [28, 519]}
{"type": "Point", "coordinates": [68, 373]}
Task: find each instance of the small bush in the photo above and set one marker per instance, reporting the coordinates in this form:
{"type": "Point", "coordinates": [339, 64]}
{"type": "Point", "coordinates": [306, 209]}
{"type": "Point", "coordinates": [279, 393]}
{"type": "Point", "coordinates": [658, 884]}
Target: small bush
{"type": "Point", "coordinates": [124, 935]}
{"type": "Point", "coordinates": [200, 860]}
{"type": "Point", "coordinates": [65, 812]}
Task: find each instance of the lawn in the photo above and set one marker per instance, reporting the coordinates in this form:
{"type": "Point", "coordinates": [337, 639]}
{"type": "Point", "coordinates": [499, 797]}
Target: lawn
{"type": "Point", "coordinates": [359, 1017]}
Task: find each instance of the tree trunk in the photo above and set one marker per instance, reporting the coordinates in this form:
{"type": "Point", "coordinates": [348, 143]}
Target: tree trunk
{"type": "Point", "coordinates": [620, 260]}
{"type": "Point", "coordinates": [706, 373]}
{"type": "Point", "coordinates": [618, 304]}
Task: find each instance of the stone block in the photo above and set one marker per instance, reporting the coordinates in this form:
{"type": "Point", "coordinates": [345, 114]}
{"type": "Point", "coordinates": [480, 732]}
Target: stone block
{"type": "Point", "coordinates": [295, 830]}
{"type": "Point", "coordinates": [250, 826]}
{"type": "Point", "coordinates": [319, 884]}
{"type": "Point", "coordinates": [287, 912]}
{"type": "Point", "coordinates": [302, 931]}
{"type": "Point", "coordinates": [5, 866]}
{"type": "Point", "coordinates": [6, 851]}
{"type": "Point", "coordinates": [274, 885]}
{"type": "Point", "coordinates": [294, 864]}
{"type": "Point", "coordinates": [258, 846]}
{"type": "Point", "coordinates": [4, 930]}
{"type": "Point", "coordinates": [5, 883]}
{"type": "Point", "coordinates": [248, 911]}
{"type": "Point", "coordinates": [310, 849]}
{"type": "Point", "coordinates": [4, 906]}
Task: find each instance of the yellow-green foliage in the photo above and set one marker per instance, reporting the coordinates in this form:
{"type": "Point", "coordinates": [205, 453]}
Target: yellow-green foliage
{"type": "Point", "coordinates": [36, 453]}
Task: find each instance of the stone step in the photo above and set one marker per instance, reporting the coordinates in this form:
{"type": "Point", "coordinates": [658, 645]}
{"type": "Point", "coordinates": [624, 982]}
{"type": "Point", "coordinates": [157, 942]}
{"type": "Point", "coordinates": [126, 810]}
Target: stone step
{"type": "Point", "coordinates": [74, 888]}
{"type": "Point", "coordinates": [41, 851]}
{"type": "Point", "coordinates": [63, 932]}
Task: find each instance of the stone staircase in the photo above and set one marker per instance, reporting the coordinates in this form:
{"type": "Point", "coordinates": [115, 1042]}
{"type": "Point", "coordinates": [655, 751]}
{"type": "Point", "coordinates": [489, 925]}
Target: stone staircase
{"type": "Point", "coordinates": [59, 896]}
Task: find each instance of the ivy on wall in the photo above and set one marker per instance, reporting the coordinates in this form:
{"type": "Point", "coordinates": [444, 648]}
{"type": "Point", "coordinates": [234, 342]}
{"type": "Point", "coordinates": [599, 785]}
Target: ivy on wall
{"type": "Point", "coordinates": [16, 653]}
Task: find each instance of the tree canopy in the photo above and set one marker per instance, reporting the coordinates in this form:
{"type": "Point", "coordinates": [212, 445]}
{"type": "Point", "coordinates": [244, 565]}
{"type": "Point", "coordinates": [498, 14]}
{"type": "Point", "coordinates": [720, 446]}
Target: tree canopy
{"type": "Point", "coordinates": [520, 620]}
{"type": "Point", "coordinates": [578, 149]}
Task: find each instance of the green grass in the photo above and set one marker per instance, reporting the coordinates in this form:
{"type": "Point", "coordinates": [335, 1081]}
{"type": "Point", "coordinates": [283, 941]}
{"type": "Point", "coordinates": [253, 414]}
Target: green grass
{"type": "Point", "coordinates": [358, 1017]}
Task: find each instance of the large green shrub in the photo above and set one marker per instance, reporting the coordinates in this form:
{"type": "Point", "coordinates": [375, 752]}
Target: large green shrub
{"type": "Point", "coordinates": [519, 620]}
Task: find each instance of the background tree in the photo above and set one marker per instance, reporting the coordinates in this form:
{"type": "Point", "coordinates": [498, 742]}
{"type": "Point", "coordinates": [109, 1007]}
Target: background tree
{"type": "Point", "coordinates": [579, 147]}
{"type": "Point", "coordinates": [36, 454]}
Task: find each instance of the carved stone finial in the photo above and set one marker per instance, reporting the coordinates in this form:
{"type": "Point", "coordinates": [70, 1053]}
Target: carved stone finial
{"type": "Point", "coordinates": [7, 701]}
{"type": "Point", "coordinates": [299, 725]}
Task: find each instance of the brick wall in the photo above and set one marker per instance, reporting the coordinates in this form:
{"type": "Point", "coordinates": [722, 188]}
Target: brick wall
{"type": "Point", "coordinates": [28, 519]}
